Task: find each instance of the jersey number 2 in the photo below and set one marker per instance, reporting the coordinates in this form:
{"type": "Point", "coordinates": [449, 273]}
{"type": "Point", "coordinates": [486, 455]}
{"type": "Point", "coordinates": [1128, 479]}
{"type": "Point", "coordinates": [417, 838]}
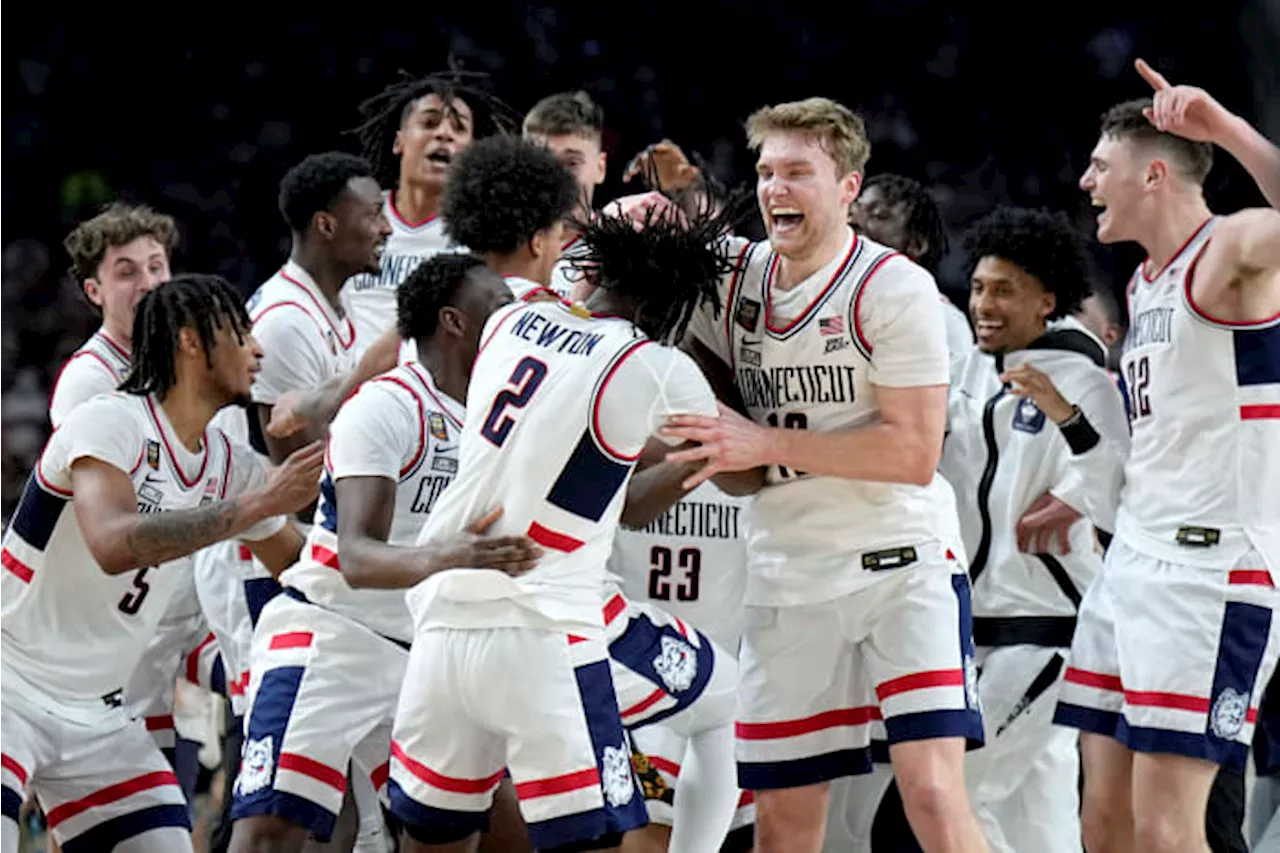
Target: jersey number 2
{"type": "Point", "coordinates": [524, 381]}
{"type": "Point", "coordinates": [133, 599]}
{"type": "Point", "coordinates": [661, 564]}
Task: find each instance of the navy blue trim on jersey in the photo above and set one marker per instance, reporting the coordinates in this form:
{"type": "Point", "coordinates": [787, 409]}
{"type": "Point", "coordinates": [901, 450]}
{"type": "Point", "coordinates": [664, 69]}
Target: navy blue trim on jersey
{"type": "Point", "coordinates": [257, 593]}
{"type": "Point", "coordinates": [10, 803]}
{"type": "Point", "coordinates": [37, 514]}
{"type": "Point", "coordinates": [328, 503]}
{"type": "Point", "coordinates": [589, 481]}
{"type": "Point", "coordinates": [854, 325]}
{"type": "Point", "coordinates": [1257, 354]}
{"type": "Point", "coordinates": [855, 252]}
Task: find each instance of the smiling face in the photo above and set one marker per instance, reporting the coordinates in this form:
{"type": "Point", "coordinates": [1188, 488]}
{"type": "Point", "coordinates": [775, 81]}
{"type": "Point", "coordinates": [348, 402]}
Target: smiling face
{"type": "Point", "coordinates": [1008, 305]}
{"type": "Point", "coordinates": [431, 137]}
{"type": "Point", "coordinates": [360, 228]}
{"type": "Point", "coordinates": [1119, 181]}
{"type": "Point", "coordinates": [803, 197]}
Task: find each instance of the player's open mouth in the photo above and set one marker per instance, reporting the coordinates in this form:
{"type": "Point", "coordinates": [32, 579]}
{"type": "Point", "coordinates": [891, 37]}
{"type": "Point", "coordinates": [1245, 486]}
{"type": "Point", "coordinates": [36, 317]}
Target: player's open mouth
{"type": "Point", "coordinates": [440, 156]}
{"type": "Point", "coordinates": [786, 219]}
{"type": "Point", "coordinates": [1099, 203]}
{"type": "Point", "coordinates": [987, 328]}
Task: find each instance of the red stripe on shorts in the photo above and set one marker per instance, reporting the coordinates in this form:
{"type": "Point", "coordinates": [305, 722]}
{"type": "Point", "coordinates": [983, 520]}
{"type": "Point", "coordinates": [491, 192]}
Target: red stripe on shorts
{"type": "Point", "coordinates": [111, 794]}
{"type": "Point", "coordinates": [818, 722]}
{"type": "Point", "coordinates": [445, 783]}
{"type": "Point", "coordinates": [1100, 680]}
{"type": "Point", "coordinates": [920, 681]}
{"type": "Point", "coordinates": [558, 784]}
{"type": "Point", "coordinates": [310, 767]}
{"type": "Point", "coordinates": [15, 768]}
{"type": "Point", "coordinates": [291, 640]}
{"type": "Point", "coordinates": [1250, 577]}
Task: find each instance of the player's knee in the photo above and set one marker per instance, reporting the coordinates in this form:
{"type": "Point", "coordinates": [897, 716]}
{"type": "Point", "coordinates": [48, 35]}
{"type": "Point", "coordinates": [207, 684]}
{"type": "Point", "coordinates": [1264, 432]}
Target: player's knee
{"type": "Point", "coordinates": [790, 819]}
{"type": "Point", "coordinates": [1166, 831]}
{"type": "Point", "coordinates": [266, 834]}
{"type": "Point", "coordinates": [1105, 825]}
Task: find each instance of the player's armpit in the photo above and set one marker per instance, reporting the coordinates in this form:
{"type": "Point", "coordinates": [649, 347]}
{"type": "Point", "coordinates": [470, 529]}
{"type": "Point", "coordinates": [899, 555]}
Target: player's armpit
{"type": "Point", "coordinates": [121, 539]}
{"type": "Point", "coordinates": [280, 550]}
{"type": "Point", "coordinates": [1251, 238]}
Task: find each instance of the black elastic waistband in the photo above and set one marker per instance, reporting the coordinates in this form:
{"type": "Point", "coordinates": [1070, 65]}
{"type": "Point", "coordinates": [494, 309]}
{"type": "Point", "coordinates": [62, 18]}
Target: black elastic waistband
{"type": "Point", "coordinates": [1048, 631]}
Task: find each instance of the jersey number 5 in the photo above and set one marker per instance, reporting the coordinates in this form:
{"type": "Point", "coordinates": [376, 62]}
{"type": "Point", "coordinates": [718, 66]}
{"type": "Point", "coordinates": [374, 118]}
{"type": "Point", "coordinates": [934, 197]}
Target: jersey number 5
{"type": "Point", "coordinates": [661, 564]}
{"type": "Point", "coordinates": [132, 601]}
{"type": "Point", "coordinates": [524, 381]}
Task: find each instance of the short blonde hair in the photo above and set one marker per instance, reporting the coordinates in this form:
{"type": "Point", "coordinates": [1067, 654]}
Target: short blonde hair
{"type": "Point", "coordinates": [838, 129]}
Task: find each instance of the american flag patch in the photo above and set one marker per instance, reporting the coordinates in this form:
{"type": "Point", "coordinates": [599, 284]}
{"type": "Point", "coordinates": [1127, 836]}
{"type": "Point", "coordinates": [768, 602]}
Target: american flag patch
{"type": "Point", "coordinates": [831, 326]}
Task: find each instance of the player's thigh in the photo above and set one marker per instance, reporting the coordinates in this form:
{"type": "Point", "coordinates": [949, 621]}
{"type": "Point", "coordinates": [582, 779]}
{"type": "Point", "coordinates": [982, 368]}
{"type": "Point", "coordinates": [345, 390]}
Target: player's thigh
{"type": "Point", "coordinates": [445, 763]}
{"type": "Point", "coordinates": [918, 652]}
{"type": "Point", "coordinates": [110, 786]}
{"type": "Point", "coordinates": [803, 716]}
{"type": "Point", "coordinates": [571, 763]}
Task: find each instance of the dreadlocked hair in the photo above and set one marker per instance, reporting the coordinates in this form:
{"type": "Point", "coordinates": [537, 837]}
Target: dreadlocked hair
{"type": "Point", "coordinates": [205, 303]}
{"type": "Point", "coordinates": [430, 287]}
{"type": "Point", "coordinates": [385, 113]}
{"type": "Point", "coordinates": [667, 266]}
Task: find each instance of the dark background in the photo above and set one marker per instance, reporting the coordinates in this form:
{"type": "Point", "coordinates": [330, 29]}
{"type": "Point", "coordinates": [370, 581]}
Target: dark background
{"type": "Point", "coordinates": [200, 111]}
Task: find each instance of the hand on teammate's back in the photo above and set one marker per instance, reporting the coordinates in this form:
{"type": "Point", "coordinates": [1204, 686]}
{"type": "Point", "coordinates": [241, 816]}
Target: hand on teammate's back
{"type": "Point", "coordinates": [513, 555]}
{"type": "Point", "coordinates": [295, 483]}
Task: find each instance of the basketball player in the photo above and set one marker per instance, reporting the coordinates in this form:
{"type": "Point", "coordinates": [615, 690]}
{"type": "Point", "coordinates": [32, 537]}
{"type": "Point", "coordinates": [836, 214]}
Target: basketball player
{"type": "Point", "coordinates": [899, 212]}
{"type": "Point", "coordinates": [856, 580]}
{"type": "Point", "coordinates": [1036, 442]}
{"type": "Point", "coordinates": [392, 450]}
{"type": "Point", "coordinates": [572, 126]}
{"type": "Point", "coordinates": [1100, 313]}
{"type": "Point", "coordinates": [561, 403]}
{"type": "Point", "coordinates": [412, 132]}
{"type": "Point", "coordinates": [131, 482]}
{"type": "Point", "coordinates": [1175, 643]}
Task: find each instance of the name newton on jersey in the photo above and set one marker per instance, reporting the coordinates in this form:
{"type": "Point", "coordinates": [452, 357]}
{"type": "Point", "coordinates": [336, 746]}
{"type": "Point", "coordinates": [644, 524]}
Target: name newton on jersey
{"type": "Point", "coordinates": [537, 329]}
{"type": "Point", "coordinates": [692, 518]}
{"type": "Point", "coordinates": [1154, 326]}
{"type": "Point", "coordinates": [394, 269]}
{"type": "Point", "coordinates": [776, 387]}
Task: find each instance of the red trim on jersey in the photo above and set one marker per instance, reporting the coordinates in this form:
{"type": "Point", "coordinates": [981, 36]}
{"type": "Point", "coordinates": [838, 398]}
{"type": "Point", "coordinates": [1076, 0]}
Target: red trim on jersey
{"type": "Point", "coordinates": [576, 238]}
{"type": "Point", "coordinates": [417, 371]}
{"type": "Point", "coordinates": [589, 778]}
{"type": "Point", "coordinates": [574, 639]}
{"type": "Point", "coordinates": [1096, 680]}
{"type": "Point", "coordinates": [325, 557]}
{"type": "Point", "coordinates": [552, 539]}
{"type": "Point", "coordinates": [115, 375]}
{"type": "Point", "coordinates": [193, 659]}
{"type": "Point", "coordinates": [595, 406]}
{"type": "Point", "coordinates": [291, 640]}
{"type": "Point", "coordinates": [455, 784]}
{"type": "Point", "coordinates": [496, 326]}
{"type": "Point", "coordinates": [314, 769]}
{"type": "Point", "coordinates": [920, 681]}
{"type": "Point", "coordinates": [50, 487]}
{"type": "Point", "coordinates": [422, 422]}
{"type": "Point", "coordinates": [111, 794]}
{"type": "Point", "coordinates": [391, 203]}
{"type": "Point", "coordinates": [351, 330]}
{"type": "Point", "coordinates": [613, 607]}
{"type": "Point", "coordinates": [768, 289]}
{"type": "Point", "coordinates": [857, 300]}
{"type": "Point", "coordinates": [120, 349]}
{"type": "Point", "coordinates": [537, 291]}
{"type": "Point", "coordinates": [23, 572]}
{"type": "Point", "coordinates": [835, 718]}
{"type": "Point", "coordinates": [1142, 268]}
{"type": "Point", "coordinates": [1204, 315]}
{"type": "Point", "coordinates": [173, 460]}
{"type": "Point", "coordinates": [1250, 577]}
{"type": "Point", "coordinates": [731, 298]}
{"type": "Point", "coordinates": [244, 552]}
{"type": "Point", "coordinates": [15, 768]}
{"type": "Point", "coordinates": [1259, 412]}
{"type": "Point", "coordinates": [226, 469]}
{"type": "Point", "coordinates": [162, 723]}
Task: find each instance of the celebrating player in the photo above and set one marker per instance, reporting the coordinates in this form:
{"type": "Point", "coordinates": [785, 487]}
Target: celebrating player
{"type": "Point", "coordinates": [392, 451]}
{"type": "Point", "coordinates": [131, 482]}
{"type": "Point", "coordinates": [1175, 642]}
{"type": "Point", "coordinates": [855, 577]}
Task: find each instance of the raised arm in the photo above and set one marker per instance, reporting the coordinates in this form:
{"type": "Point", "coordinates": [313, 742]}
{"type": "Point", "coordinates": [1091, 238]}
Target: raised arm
{"type": "Point", "coordinates": [122, 539]}
{"type": "Point", "coordinates": [1192, 113]}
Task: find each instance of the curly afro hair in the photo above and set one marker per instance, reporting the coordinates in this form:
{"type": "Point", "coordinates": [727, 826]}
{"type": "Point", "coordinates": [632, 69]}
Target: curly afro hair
{"type": "Point", "coordinates": [314, 184]}
{"type": "Point", "coordinates": [1042, 243]}
{"type": "Point", "coordinates": [503, 190]}
{"type": "Point", "coordinates": [430, 287]}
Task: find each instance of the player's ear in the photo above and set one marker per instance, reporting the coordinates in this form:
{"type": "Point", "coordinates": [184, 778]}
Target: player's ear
{"type": "Point", "coordinates": [604, 167]}
{"type": "Point", "coordinates": [451, 320]}
{"type": "Point", "coordinates": [851, 185]}
{"type": "Point", "coordinates": [189, 342]}
{"type": "Point", "coordinates": [326, 224]}
{"type": "Point", "coordinates": [916, 247]}
{"type": "Point", "coordinates": [1157, 174]}
{"type": "Point", "coordinates": [397, 145]}
{"type": "Point", "coordinates": [93, 291]}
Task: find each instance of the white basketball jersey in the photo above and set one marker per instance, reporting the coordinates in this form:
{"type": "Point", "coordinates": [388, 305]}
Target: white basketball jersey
{"type": "Point", "coordinates": [564, 277]}
{"type": "Point", "coordinates": [1204, 405]}
{"type": "Point", "coordinates": [71, 630]}
{"type": "Point", "coordinates": [560, 405]}
{"type": "Point", "coordinates": [402, 427]}
{"type": "Point", "coordinates": [691, 561]}
{"type": "Point", "coordinates": [371, 299]}
{"type": "Point", "coordinates": [99, 366]}
{"type": "Point", "coordinates": [809, 358]}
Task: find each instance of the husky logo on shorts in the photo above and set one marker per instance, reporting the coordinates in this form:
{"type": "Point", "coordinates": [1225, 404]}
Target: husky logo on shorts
{"type": "Point", "coordinates": [677, 665]}
{"type": "Point", "coordinates": [255, 766]}
{"type": "Point", "coordinates": [615, 778]}
{"type": "Point", "coordinates": [1227, 717]}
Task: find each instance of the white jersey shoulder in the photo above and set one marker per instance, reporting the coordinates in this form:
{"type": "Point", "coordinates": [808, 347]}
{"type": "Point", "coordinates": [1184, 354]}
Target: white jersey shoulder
{"type": "Point", "coordinates": [99, 366]}
{"type": "Point", "coordinates": [559, 407]}
{"type": "Point", "coordinates": [1202, 483]}
{"type": "Point", "coordinates": [811, 357]}
{"type": "Point", "coordinates": [70, 629]}
{"type": "Point", "coordinates": [959, 333]}
{"type": "Point", "coordinates": [691, 561]}
{"type": "Point", "coordinates": [371, 298]}
{"type": "Point", "coordinates": [304, 340]}
{"type": "Point", "coordinates": [399, 426]}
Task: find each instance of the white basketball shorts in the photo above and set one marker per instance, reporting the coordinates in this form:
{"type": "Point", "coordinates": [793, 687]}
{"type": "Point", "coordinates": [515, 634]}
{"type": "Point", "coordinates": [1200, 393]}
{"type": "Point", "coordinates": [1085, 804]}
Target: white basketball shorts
{"type": "Point", "coordinates": [477, 704]}
{"type": "Point", "coordinates": [815, 677]}
{"type": "Point", "coordinates": [322, 692]}
{"type": "Point", "coordinates": [1173, 658]}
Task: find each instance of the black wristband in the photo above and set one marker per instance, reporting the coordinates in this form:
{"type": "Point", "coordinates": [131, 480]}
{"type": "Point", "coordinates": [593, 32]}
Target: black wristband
{"type": "Point", "coordinates": [1080, 435]}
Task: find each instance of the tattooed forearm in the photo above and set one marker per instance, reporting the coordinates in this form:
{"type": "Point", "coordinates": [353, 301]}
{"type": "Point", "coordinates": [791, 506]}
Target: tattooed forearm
{"type": "Point", "coordinates": [158, 537]}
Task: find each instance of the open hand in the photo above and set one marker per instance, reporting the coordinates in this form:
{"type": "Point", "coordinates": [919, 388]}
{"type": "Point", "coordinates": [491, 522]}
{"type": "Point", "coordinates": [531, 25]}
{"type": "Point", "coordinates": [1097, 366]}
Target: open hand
{"type": "Point", "coordinates": [512, 555]}
{"type": "Point", "coordinates": [729, 442]}
{"type": "Point", "coordinates": [1188, 111]}
{"type": "Point", "coordinates": [295, 483]}
{"type": "Point", "coordinates": [663, 163]}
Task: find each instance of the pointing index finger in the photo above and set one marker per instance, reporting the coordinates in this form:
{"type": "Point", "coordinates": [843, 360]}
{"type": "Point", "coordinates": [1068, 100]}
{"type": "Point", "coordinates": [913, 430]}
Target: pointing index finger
{"type": "Point", "coordinates": [1152, 76]}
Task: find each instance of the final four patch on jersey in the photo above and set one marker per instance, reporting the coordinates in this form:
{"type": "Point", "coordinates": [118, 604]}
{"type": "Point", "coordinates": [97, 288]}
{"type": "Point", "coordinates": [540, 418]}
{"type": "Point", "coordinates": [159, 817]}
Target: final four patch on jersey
{"type": "Point", "coordinates": [438, 428]}
{"type": "Point", "coordinates": [748, 315]}
{"type": "Point", "coordinates": [153, 453]}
